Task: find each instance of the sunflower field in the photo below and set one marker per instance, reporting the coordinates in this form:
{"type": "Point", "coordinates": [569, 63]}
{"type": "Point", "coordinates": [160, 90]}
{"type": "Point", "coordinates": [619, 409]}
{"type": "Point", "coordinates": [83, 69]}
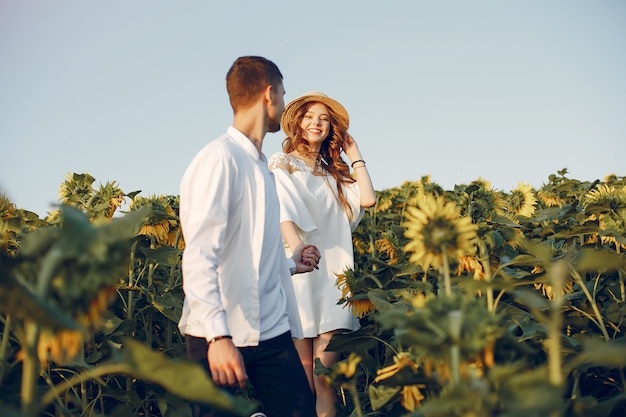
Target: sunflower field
{"type": "Point", "coordinates": [472, 302]}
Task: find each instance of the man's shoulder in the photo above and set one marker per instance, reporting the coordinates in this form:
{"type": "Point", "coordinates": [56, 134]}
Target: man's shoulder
{"type": "Point", "coordinates": [224, 145]}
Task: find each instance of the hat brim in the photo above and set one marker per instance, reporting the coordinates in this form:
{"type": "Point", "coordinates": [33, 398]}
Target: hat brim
{"type": "Point", "coordinates": [292, 107]}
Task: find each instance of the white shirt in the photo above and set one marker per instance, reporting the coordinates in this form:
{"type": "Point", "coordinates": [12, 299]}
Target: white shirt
{"type": "Point", "coordinates": [235, 276]}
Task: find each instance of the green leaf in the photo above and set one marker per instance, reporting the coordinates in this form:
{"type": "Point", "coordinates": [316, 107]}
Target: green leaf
{"type": "Point", "coordinates": [172, 406]}
{"type": "Point", "coordinates": [503, 221]}
{"type": "Point", "coordinates": [590, 406]}
{"type": "Point", "coordinates": [6, 411]}
{"type": "Point", "coordinates": [598, 352]}
{"type": "Point", "coordinates": [379, 299]}
{"type": "Point", "coordinates": [21, 303]}
{"type": "Point", "coordinates": [530, 329]}
{"type": "Point", "coordinates": [381, 395]}
{"type": "Point", "coordinates": [599, 260]}
{"type": "Point", "coordinates": [358, 340]}
{"type": "Point", "coordinates": [182, 378]}
{"type": "Point", "coordinates": [575, 231]}
{"type": "Point", "coordinates": [167, 305]}
{"type": "Point", "coordinates": [546, 214]}
{"type": "Point", "coordinates": [529, 393]}
{"type": "Point", "coordinates": [532, 299]}
{"type": "Point", "coordinates": [409, 269]}
{"type": "Point", "coordinates": [524, 260]}
{"type": "Point", "coordinates": [164, 255]}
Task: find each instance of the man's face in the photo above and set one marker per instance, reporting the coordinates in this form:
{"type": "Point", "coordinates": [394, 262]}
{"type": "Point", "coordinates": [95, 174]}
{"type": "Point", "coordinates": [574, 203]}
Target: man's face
{"type": "Point", "coordinates": [276, 108]}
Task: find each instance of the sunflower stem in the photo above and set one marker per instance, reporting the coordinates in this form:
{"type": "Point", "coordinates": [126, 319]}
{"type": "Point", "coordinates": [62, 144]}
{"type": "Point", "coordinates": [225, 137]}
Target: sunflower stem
{"type": "Point", "coordinates": [592, 302]}
{"type": "Point", "coordinates": [30, 363]}
{"type": "Point", "coordinates": [130, 298]}
{"type": "Point", "coordinates": [621, 278]}
{"type": "Point", "coordinates": [456, 320]}
{"type": "Point", "coordinates": [558, 276]}
{"type": "Point", "coordinates": [484, 260]}
{"type": "Point", "coordinates": [446, 273]}
{"type": "Point", "coordinates": [355, 397]}
{"type": "Point", "coordinates": [4, 343]}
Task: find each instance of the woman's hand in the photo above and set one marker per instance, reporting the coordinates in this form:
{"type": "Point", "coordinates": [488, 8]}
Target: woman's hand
{"type": "Point", "coordinates": [368, 195]}
{"type": "Point", "coordinates": [306, 257]}
{"type": "Point", "coordinates": [351, 149]}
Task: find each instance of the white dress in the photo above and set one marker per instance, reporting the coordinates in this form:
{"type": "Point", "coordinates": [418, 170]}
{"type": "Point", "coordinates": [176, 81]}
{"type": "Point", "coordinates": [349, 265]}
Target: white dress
{"type": "Point", "coordinates": [311, 202]}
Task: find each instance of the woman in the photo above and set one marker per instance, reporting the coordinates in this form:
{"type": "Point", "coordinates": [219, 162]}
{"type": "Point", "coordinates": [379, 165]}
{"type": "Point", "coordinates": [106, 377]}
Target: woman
{"type": "Point", "coordinates": [320, 204]}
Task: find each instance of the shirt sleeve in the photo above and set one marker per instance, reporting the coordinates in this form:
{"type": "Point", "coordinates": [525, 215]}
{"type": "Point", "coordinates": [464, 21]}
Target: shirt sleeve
{"type": "Point", "coordinates": [204, 207]}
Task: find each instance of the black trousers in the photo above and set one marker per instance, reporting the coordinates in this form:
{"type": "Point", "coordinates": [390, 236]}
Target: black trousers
{"type": "Point", "coordinates": [275, 372]}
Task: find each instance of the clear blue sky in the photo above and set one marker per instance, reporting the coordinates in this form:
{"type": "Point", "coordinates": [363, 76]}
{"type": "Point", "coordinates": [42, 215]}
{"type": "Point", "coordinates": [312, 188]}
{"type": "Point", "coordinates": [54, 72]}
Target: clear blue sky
{"type": "Point", "coordinates": [129, 91]}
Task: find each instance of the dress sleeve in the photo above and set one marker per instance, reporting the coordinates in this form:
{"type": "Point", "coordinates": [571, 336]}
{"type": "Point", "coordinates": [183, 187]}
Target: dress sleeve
{"type": "Point", "coordinates": [353, 195]}
{"type": "Point", "coordinates": [292, 206]}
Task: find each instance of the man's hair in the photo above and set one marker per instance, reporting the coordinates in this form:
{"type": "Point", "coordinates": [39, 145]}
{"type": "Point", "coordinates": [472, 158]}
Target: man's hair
{"type": "Point", "coordinates": [248, 77]}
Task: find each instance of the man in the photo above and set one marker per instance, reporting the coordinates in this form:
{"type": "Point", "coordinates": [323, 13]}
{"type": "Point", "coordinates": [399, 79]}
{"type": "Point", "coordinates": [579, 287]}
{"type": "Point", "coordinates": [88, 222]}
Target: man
{"type": "Point", "coordinates": [239, 313]}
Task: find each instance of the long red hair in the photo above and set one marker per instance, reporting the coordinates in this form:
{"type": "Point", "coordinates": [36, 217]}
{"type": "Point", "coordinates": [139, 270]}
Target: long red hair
{"type": "Point", "coordinates": [330, 151]}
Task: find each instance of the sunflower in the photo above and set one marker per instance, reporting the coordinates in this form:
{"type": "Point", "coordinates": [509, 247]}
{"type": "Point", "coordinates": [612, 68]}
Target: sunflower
{"type": "Point", "coordinates": [549, 291]}
{"type": "Point", "coordinates": [98, 306]}
{"type": "Point", "coordinates": [10, 226]}
{"type": "Point", "coordinates": [468, 263]}
{"type": "Point", "coordinates": [347, 368]}
{"type": "Point", "coordinates": [550, 198]}
{"type": "Point", "coordinates": [435, 230]}
{"type": "Point", "coordinates": [75, 187]}
{"type": "Point", "coordinates": [601, 193]}
{"type": "Point", "coordinates": [522, 201]}
{"type": "Point", "coordinates": [411, 396]}
{"type": "Point", "coordinates": [59, 347]}
{"type": "Point", "coordinates": [480, 200]}
{"type": "Point", "coordinates": [385, 202]}
{"type": "Point", "coordinates": [111, 196]}
{"type": "Point", "coordinates": [607, 205]}
{"type": "Point", "coordinates": [346, 282]}
{"type": "Point", "coordinates": [163, 223]}
{"type": "Point", "coordinates": [388, 245]}
{"type": "Point", "coordinates": [400, 361]}
{"type": "Point", "coordinates": [342, 373]}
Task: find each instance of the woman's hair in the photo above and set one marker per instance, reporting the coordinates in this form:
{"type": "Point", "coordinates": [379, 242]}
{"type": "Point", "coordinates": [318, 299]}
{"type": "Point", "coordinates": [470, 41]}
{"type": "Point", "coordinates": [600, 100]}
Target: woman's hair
{"type": "Point", "coordinates": [330, 151]}
{"type": "Point", "coordinates": [247, 78]}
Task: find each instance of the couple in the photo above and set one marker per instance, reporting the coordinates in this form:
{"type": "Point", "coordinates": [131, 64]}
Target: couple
{"type": "Point", "coordinates": [244, 317]}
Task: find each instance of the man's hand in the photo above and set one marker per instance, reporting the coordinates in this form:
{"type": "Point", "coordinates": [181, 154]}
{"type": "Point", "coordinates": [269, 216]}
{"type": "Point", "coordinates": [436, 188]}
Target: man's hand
{"type": "Point", "coordinates": [306, 257]}
{"type": "Point", "coordinates": [226, 363]}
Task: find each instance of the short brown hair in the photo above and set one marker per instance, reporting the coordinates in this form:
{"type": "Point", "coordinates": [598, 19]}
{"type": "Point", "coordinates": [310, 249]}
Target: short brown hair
{"type": "Point", "coordinates": [248, 77]}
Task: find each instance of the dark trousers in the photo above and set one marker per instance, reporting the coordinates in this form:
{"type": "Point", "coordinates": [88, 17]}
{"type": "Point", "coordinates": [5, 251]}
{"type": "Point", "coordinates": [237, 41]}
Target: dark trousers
{"type": "Point", "coordinates": [275, 372]}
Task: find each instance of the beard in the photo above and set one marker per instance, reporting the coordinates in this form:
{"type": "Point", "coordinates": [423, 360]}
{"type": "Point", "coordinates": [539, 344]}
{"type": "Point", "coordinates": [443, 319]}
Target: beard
{"type": "Point", "coordinates": [273, 126]}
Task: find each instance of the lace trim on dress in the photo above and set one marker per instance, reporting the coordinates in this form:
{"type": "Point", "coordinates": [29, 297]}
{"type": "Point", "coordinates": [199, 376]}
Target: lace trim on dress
{"type": "Point", "coordinates": [294, 163]}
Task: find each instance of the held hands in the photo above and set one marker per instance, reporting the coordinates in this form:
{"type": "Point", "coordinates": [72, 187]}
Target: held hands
{"type": "Point", "coordinates": [306, 257]}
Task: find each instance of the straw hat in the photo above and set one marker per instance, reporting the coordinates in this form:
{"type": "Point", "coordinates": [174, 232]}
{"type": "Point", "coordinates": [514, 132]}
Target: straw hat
{"type": "Point", "coordinates": [289, 115]}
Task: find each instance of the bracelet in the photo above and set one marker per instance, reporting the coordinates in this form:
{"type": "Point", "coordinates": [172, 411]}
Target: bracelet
{"type": "Point", "coordinates": [358, 160]}
{"type": "Point", "coordinates": [216, 338]}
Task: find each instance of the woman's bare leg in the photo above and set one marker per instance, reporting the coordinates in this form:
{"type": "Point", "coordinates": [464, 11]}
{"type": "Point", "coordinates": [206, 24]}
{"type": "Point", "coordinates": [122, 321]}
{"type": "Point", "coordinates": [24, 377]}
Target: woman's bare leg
{"type": "Point", "coordinates": [326, 396]}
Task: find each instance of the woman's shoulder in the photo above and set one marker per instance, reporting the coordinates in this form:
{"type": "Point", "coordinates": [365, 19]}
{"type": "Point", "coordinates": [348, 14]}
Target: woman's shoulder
{"type": "Point", "coordinates": [278, 160]}
{"type": "Point", "coordinates": [287, 162]}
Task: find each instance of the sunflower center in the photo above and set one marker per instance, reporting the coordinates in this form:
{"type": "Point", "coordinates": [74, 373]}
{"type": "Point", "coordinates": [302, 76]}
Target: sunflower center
{"type": "Point", "coordinates": [438, 233]}
{"type": "Point", "coordinates": [517, 201]}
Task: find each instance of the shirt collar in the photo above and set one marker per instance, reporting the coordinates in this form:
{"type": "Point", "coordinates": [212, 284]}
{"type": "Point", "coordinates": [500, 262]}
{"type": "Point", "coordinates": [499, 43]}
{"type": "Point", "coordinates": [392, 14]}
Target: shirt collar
{"type": "Point", "coordinates": [245, 143]}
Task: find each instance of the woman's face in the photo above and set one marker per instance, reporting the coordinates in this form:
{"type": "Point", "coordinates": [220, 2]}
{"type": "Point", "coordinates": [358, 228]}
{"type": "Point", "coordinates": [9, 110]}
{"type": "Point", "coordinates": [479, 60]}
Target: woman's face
{"type": "Point", "coordinates": [315, 125]}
